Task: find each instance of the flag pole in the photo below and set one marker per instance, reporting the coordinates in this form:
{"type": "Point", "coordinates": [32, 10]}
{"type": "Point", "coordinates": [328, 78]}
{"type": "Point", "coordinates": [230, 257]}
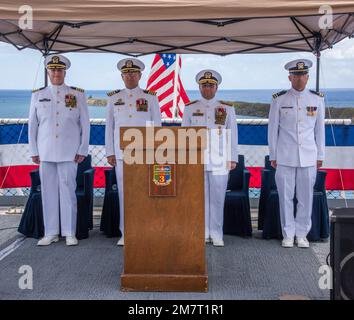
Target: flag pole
{"type": "Point", "coordinates": [175, 89]}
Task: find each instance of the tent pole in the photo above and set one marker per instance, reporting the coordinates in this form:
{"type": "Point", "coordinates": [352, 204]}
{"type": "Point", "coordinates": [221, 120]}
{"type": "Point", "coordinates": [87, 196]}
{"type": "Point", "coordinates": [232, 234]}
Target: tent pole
{"type": "Point", "coordinates": [318, 60]}
{"type": "Point", "coordinates": [317, 53]}
{"type": "Point", "coordinates": [46, 51]}
{"type": "Point", "coordinates": [175, 88]}
{"type": "Point", "coordinates": [45, 77]}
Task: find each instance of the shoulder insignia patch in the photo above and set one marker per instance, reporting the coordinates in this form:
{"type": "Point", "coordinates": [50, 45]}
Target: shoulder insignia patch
{"type": "Point", "coordinates": [318, 93]}
{"type": "Point", "coordinates": [191, 102]}
{"type": "Point", "coordinates": [78, 89]}
{"type": "Point", "coordinates": [278, 94]}
{"type": "Point", "coordinates": [226, 103]}
{"type": "Point", "coordinates": [150, 92]}
{"type": "Point", "coordinates": [110, 94]}
{"type": "Point", "coordinates": [36, 90]}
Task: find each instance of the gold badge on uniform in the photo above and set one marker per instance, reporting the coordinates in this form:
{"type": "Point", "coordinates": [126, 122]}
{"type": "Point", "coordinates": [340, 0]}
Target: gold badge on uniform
{"type": "Point", "coordinates": [220, 115]}
{"type": "Point", "coordinates": [141, 105]}
{"type": "Point", "coordinates": [300, 65]}
{"type": "Point", "coordinates": [119, 102]}
{"type": "Point", "coordinates": [311, 111]}
{"type": "Point", "coordinates": [70, 101]}
{"type": "Point", "coordinates": [207, 75]}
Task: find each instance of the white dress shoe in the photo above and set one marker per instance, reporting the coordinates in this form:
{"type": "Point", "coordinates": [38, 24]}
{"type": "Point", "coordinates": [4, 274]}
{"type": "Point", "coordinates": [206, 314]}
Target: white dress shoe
{"type": "Point", "coordinates": [46, 241]}
{"type": "Point", "coordinates": [218, 242]}
{"type": "Point", "coordinates": [287, 243]}
{"type": "Point", "coordinates": [120, 242]}
{"type": "Point", "coordinates": [71, 241]}
{"type": "Point", "coordinates": [302, 243]}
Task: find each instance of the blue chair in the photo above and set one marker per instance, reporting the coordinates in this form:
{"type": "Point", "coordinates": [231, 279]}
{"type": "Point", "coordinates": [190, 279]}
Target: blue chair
{"type": "Point", "coordinates": [267, 186]}
{"type": "Point", "coordinates": [320, 213]}
{"type": "Point", "coordinates": [270, 217]}
{"type": "Point", "coordinates": [237, 213]}
{"type": "Point", "coordinates": [269, 212]}
{"type": "Point", "coordinates": [110, 212]}
{"type": "Point", "coordinates": [84, 194]}
{"type": "Point", "coordinates": [31, 224]}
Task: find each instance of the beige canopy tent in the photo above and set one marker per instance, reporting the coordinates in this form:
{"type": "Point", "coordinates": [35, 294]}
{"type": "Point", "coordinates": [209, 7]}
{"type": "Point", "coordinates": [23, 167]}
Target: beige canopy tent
{"type": "Point", "coordinates": [154, 10]}
{"type": "Point", "coordinates": [139, 27]}
{"type": "Point", "coordinates": [182, 26]}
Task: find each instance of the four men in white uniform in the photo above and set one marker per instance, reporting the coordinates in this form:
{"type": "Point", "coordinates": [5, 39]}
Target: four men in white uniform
{"type": "Point", "coordinates": [59, 130]}
{"type": "Point", "coordinates": [131, 106]}
{"type": "Point", "coordinates": [59, 137]}
{"type": "Point", "coordinates": [221, 154]}
{"type": "Point", "coordinates": [296, 137]}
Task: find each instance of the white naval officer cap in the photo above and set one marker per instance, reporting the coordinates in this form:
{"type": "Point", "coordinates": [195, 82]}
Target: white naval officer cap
{"type": "Point", "coordinates": [130, 65]}
{"type": "Point", "coordinates": [208, 76]}
{"type": "Point", "coordinates": [57, 61]}
{"type": "Point", "coordinates": [298, 66]}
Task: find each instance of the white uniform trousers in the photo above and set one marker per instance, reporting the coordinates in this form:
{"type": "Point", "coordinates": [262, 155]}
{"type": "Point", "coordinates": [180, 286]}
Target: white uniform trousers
{"type": "Point", "coordinates": [58, 185]}
{"type": "Point", "coordinates": [119, 175]}
{"type": "Point", "coordinates": [303, 178]}
{"type": "Point", "coordinates": [215, 188]}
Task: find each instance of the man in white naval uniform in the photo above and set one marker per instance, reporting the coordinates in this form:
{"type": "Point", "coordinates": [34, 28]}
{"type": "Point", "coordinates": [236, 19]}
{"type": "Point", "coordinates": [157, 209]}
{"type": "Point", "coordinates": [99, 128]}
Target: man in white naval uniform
{"type": "Point", "coordinates": [131, 106]}
{"type": "Point", "coordinates": [296, 137]}
{"type": "Point", "coordinates": [59, 130]}
{"type": "Point", "coordinates": [221, 154]}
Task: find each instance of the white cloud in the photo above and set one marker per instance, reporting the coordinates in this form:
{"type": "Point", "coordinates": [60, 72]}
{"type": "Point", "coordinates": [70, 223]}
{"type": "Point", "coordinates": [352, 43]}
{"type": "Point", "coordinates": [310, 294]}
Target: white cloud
{"type": "Point", "coordinates": [343, 50]}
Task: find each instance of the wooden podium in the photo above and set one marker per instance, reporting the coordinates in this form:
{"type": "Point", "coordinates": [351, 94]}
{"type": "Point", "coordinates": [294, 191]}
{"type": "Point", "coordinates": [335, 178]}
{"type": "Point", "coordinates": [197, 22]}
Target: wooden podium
{"type": "Point", "coordinates": [164, 231]}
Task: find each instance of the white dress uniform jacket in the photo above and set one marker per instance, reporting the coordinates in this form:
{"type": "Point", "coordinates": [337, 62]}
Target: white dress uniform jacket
{"type": "Point", "coordinates": [296, 136]}
{"type": "Point", "coordinates": [127, 108]}
{"type": "Point", "coordinates": [203, 113]}
{"type": "Point", "coordinates": [59, 128]}
{"type": "Point", "coordinates": [136, 108]}
{"type": "Point", "coordinates": [221, 119]}
{"type": "Point", "coordinates": [296, 131]}
{"type": "Point", "coordinates": [58, 132]}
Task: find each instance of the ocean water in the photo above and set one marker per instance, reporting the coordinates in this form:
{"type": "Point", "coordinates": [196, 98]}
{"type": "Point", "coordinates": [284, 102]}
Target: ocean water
{"type": "Point", "coordinates": [15, 103]}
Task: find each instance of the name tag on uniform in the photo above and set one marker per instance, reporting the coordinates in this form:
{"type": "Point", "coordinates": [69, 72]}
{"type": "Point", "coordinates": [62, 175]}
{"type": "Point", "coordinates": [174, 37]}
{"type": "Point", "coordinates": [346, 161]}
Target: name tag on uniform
{"type": "Point", "coordinates": [142, 105]}
{"type": "Point", "coordinates": [311, 111]}
{"type": "Point", "coordinates": [44, 100]}
{"type": "Point", "coordinates": [119, 102]}
{"type": "Point", "coordinates": [286, 107]}
{"type": "Point", "coordinates": [197, 114]}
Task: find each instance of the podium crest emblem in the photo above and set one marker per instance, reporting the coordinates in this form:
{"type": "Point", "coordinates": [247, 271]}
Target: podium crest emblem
{"type": "Point", "coordinates": [162, 175]}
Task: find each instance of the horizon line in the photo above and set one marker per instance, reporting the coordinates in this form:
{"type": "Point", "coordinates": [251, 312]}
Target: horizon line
{"type": "Point", "coordinates": [343, 88]}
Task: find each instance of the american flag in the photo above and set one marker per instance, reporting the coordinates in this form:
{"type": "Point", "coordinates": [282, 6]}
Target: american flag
{"type": "Point", "coordinates": [165, 79]}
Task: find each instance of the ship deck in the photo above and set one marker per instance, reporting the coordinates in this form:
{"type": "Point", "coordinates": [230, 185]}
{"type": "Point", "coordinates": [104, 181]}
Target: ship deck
{"type": "Point", "coordinates": [246, 268]}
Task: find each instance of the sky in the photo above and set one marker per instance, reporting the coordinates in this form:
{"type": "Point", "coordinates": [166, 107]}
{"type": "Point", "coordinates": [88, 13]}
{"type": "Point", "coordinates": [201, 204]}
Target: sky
{"type": "Point", "coordinates": [97, 71]}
